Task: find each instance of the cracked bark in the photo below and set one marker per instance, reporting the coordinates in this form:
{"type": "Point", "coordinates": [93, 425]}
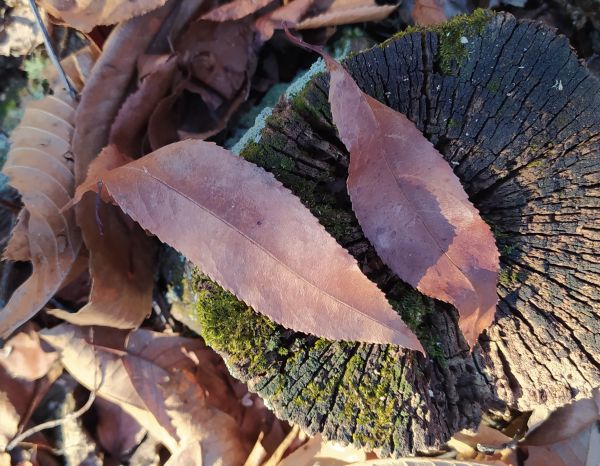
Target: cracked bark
{"type": "Point", "coordinates": [518, 120]}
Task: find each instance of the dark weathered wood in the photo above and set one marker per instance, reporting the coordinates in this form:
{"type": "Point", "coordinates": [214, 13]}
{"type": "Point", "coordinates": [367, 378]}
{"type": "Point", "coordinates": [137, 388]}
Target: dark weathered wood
{"type": "Point", "coordinates": [517, 116]}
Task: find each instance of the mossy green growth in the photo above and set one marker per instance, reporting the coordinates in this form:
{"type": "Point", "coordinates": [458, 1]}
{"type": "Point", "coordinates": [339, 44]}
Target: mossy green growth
{"type": "Point", "coordinates": [454, 36]}
{"type": "Point", "coordinates": [230, 326]}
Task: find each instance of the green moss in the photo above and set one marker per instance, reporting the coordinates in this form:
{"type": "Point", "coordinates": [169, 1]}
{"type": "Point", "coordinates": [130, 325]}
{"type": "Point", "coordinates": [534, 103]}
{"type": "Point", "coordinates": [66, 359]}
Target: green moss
{"type": "Point", "coordinates": [535, 163]}
{"type": "Point", "coordinates": [453, 49]}
{"type": "Point", "coordinates": [232, 327]}
{"type": "Point", "coordinates": [508, 277]}
{"type": "Point", "coordinates": [493, 84]}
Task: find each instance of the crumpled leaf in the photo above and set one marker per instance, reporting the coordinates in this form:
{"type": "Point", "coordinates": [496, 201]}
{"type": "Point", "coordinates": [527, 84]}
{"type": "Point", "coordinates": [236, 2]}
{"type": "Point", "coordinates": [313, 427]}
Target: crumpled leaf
{"type": "Point", "coordinates": [40, 166]}
{"type": "Point", "coordinates": [215, 64]}
{"type": "Point", "coordinates": [569, 436]}
{"type": "Point", "coordinates": [311, 284]}
{"type": "Point", "coordinates": [426, 462]}
{"type": "Point", "coordinates": [118, 432]}
{"type": "Point", "coordinates": [289, 14]}
{"type": "Point", "coordinates": [151, 376]}
{"type": "Point", "coordinates": [85, 15]}
{"type": "Point", "coordinates": [236, 9]}
{"type": "Point", "coordinates": [121, 254]}
{"type": "Point", "coordinates": [347, 12]}
{"type": "Point", "coordinates": [23, 356]}
{"type": "Point", "coordinates": [429, 12]}
{"type": "Point", "coordinates": [412, 207]}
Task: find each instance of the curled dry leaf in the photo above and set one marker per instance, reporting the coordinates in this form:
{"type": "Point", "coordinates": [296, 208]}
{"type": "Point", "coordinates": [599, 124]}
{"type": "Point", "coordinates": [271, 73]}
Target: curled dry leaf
{"type": "Point", "coordinates": [150, 376]}
{"type": "Point", "coordinates": [429, 12]}
{"type": "Point", "coordinates": [347, 12]}
{"type": "Point", "coordinates": [85, 15]}
{"type": "Point", "coordinates": [23, 356]}
{"type": "Point", "coordinates": [289, 14]}
{"type": "Point", "coordinates": [118, 432]}
{"type": "Point", "coordinates": [40, 166]}
{"type": "Point", "coordinates": [412, 207]}
{"type": "Point", "coordinates": [121, 254]}
{"type": "Point", "coordinates": [309, 282]}
{"type": "Point", "coordinates": [236, 9]}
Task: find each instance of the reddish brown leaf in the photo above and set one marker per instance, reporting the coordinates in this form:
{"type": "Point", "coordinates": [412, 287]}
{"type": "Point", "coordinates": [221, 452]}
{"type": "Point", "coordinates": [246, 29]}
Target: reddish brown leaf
{"type": "Point", "coordinates": [224, 227]}
{"type": "Point", "coordinates": [130, 124]}
{"type": "Point", "coordinates": [347, 12]}
{"type": "Point", "coordinates": [290, 14]}
{"type": "Point", "coordinates": [84, 15]}
{"type": "Point", "coordinates": [236, 9]}
{"type": "Point", "coordinates": [23, 357]}
{"type": "Point", "coordinates": [121, 254]}
{"type": "Point", "coordinates": [412, 207]}
{"type": "Point", "coordinates": [150, 376]}
{"type": "Point", "coordinates": [428, 12]}
{"type": "Point", "coordinates": [118, 432]}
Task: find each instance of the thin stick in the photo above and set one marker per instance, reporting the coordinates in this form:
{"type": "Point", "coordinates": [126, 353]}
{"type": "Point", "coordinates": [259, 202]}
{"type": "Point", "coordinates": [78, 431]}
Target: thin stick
{"type": "Point", "coordinates": [50, 50]}
{"type": "Point", "coordinates": [54, 423]}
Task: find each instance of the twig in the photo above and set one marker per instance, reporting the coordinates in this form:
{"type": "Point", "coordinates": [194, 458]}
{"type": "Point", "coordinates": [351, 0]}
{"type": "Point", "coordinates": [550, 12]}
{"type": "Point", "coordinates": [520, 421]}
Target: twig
{"type": "Point", "coordinates": [54, 423]}
{"type": "Point", "coordinates": [51, 51]}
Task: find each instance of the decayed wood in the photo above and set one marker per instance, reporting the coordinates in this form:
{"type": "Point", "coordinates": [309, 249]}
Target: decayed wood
{"type": "Point", "coordinates": [516, 114]}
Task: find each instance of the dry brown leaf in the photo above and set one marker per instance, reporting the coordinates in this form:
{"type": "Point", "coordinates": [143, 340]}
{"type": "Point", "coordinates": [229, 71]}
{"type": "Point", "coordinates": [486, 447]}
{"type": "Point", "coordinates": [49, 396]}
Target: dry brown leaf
{"type": "Point", "coordinates": [150, 376]}
{"type": "Point", "coordinates": [347, 12]}
{"type": "Point", "coordinates": [23, 356]}
{"type": "Point", "coordinates": [215, 64]}
{"type": "Point", "coordinates": [128, 129]}
{"type": "Point", "coordinates": [569, 437]}
{"type": "Point", "coordinates": [118, 432]}
{"type": "Point", "coordinates": [426, 462]}
{"type": "Point", "coordinates": [224, 227]}
{"type": "Point", "coordinates": [40, 166]}
{"type": "Point", "coordinates": [319, 452]}
{"type": "Point", "coordinates": [289, 14]}
{"type": "Point", "coordinates": [498, 447]}
{"type": "Point", "coordinates": [121, 254]}
{"type": "Point", "coordinates": [85, 15]}
{"type": "Point", "coordinates": [236, 9]}
{"type": "Point", "coordinates": [428, 12]}
{"type": "Point", "coordinates": [412, 207]}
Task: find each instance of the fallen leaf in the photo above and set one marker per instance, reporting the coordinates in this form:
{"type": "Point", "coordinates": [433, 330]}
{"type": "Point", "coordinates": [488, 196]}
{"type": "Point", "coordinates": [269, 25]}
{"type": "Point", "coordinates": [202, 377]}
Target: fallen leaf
{"type": "Point", "coordinates": [20, 31]}
{"type": "Point", "coordinates": [118, 432]}
{"type": "Point", "coordinates": [496, 445]}
{"type": "Point", "coordinates": [121, 254]}
{"type": "Point", "coordinates": [215, 64]}
{"type": "Point", "coordinates": [236, 9]}
{"type": "Point", "coordinates": [412, 207]}
{"type": "Point", "coordinates": [426, 462]}
{"type": "Point", "coordinates": [39, 165]}
{"type": "Point", "coordinates": [289, 14]}
{"type": "Point", "coordinates": [85, 15]}
{"type": "Point", "coordinates": [23, 356]}
{"type": "Point", "coordinates": [225, 229]}
{"type": "Point", "coordinates": [569, 437]}
{"type": "Point", "coordinates": [566, 421]}
{"type": "Point", "coordinates": [318, 451]}
{"type": "Point", "coordinates": [428, 12]}
{"type": "Point", "coordinates": [150, 376]}
{"type": "Point", "coordinates": [347, 12]}
{"type": "Point", "coordinates": [128, 129]}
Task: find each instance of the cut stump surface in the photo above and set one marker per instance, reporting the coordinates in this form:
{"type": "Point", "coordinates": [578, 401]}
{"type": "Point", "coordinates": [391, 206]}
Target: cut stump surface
{"type": "Point", "coordinates": [510, 107]}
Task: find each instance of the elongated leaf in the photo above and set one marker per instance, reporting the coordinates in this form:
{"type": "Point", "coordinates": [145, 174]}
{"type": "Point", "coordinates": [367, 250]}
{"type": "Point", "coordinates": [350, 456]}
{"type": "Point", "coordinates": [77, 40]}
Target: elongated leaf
{"type": "Point", "coordinates": [347, 12]}
{"type": "Point", "coordinates": [84, 14]}
{"type": "Point", "coordinates": [40, 166]}
{"type": "Point", "coordinates": [236, 9]}
{"type": "Point", "coordinates": [251, 235]}
{"type": "Point", "coordinates": [412, 207]}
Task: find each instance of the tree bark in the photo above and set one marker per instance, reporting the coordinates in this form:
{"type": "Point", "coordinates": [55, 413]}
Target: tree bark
{"type": "Point", "coordinates": [510, 107]}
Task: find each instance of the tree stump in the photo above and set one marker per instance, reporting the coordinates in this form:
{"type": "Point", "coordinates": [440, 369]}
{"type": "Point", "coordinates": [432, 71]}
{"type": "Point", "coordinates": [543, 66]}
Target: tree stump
{"type": "Point", "coordinates": [510, 107]}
